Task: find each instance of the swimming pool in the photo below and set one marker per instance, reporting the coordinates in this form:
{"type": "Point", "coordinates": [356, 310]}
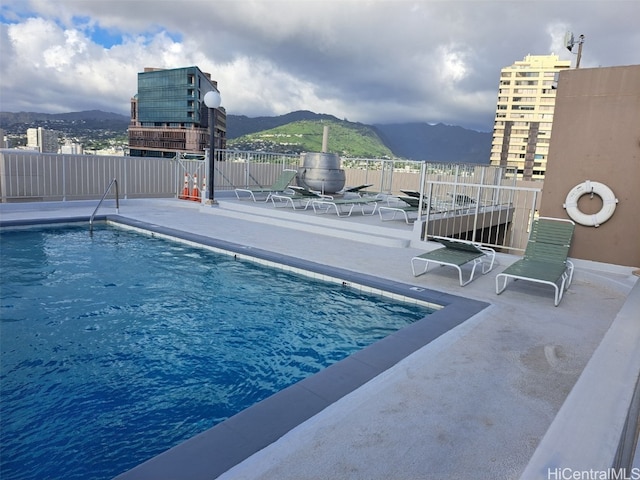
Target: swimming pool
{"type": "Point", "coordinates": [111, 352]}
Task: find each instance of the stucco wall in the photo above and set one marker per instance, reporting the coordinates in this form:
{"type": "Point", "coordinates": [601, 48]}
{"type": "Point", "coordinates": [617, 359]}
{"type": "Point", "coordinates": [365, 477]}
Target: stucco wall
{"type": "Point", "coordinates": [596, 136]}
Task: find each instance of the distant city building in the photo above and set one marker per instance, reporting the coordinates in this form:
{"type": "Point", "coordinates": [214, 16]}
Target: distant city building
{"type": "Point", "coordinates": [42, 140]}
{"type": "Point", "coordinates": [71, 148]}
{"type": "Point", "coordinates": [3, 139]}
{"type": "Point", "coordinates": [168, 114]}
{"type": "Point", "coordinates": [524, 115]}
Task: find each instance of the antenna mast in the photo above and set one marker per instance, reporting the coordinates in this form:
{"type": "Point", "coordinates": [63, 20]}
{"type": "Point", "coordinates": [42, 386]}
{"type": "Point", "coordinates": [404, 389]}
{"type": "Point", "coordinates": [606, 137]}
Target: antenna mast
{"type": "Point", "coordinates": [569, 42]}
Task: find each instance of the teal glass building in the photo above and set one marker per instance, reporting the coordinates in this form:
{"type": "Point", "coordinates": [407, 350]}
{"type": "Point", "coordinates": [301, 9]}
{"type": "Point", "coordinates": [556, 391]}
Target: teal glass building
{"type": "Point", "coordinates": [168, 114]}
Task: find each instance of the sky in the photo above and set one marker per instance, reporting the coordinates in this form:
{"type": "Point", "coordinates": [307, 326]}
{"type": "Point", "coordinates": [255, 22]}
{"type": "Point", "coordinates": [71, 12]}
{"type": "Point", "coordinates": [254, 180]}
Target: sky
{"type": "Point", "coordinates": [368, 61]}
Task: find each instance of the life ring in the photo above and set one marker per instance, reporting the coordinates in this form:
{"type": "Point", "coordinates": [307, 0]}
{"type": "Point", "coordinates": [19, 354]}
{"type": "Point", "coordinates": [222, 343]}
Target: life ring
{"type": "Point", "coordinates": [609, 201]}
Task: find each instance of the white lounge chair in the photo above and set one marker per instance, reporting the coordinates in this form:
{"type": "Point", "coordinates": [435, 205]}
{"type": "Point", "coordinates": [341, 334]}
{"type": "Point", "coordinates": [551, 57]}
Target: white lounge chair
{"type": "Point", "coordinates": [299, 199]}
{"type": "Point", "coordinates": [279, 186]}
{"type": "Point", "coordinates": [456, 253]}
{"type": "Point", "coordinates": [344, 207]}
{"type": "Point", "coordinates": [409, 205]}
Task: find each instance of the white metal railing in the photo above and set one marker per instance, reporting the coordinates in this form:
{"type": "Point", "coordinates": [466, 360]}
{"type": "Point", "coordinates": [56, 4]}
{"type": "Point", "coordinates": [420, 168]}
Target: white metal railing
{"type": "Point", "coordinates": [392, 176]}
{"type": "Point", "coordinates": [237, 168]}
{"type": "Point", "coordinates": [33, 176]}
{"type": "Point", "coordinates": [477, 202]}
{"type": "Point", "coordinates": [495, 215]}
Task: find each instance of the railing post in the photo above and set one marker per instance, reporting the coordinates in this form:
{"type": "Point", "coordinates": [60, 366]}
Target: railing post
{"type": "Point", "coordinates": [64, 178]}
{"type": "Point", "coordinates": [366, 171]}
{"type": "Point", "coordinates": [426, 226]}
{"type": "Point", "coordinates": [124, 176]}
{"type": "Point", "coordinates": [246, 172]}
{"type": "Point", "coordinates": [423, 175]}
{"type": "Point", "coordinates": [117, 196]}
{"type": "Point", "coordinates": [475, 214]}
{"type": "Point", "coordinates": [533, 210]}
{"type": "Point", "coordinates": [208, 168]}
{"type": "Point", "coordinates": [176, 174]}
{"type": "Point", "coordinates": [3, 179]}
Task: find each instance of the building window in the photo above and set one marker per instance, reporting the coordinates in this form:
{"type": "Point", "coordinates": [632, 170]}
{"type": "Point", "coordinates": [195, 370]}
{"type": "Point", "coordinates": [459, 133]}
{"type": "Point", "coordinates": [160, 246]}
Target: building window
{"type": "Point", "coordinates": [524, 91]}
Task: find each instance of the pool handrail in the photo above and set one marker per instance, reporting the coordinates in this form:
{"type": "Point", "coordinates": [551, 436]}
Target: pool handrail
{"type": "Point", "coordinates": [113, 182]}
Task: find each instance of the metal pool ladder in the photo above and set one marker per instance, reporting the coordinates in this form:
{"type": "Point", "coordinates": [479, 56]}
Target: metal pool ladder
{"type": "Point", "coordinates": [113, 182]}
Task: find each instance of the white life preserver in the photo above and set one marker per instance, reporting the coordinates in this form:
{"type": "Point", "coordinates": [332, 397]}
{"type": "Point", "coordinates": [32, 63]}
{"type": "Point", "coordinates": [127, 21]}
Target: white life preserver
{"type": "Point", "coordinates": [609, 201]}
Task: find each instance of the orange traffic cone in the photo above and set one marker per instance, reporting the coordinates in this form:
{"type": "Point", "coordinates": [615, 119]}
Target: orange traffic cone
{"type": "Point", "coordinates": [185, 190]}
{"type": "Point", "coordinates": [195, 193]}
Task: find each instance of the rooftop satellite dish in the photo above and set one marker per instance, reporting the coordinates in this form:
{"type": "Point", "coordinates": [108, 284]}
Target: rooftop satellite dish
{"type": "Point", "coordinates": [569, 41]}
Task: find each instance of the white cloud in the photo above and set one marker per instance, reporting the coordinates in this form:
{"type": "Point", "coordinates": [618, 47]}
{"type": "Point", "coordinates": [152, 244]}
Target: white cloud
{"type": "Point", "coordinates": [453, 65]}
{"type": "Point", "coordinates": [556, 32]}
{"type": "Point", "coordinates": [63, 55]}
{"type": "Point", "coordinates": [374, 61]}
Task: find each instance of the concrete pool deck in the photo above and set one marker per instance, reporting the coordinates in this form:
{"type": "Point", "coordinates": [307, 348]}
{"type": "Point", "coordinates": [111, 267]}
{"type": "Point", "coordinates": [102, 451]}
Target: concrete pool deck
{"type": "Point", "coordinates": [478, 401]}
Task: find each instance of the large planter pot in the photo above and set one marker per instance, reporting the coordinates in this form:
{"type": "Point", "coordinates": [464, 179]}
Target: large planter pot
{"type": "Point", "coordinates": [321, 172]}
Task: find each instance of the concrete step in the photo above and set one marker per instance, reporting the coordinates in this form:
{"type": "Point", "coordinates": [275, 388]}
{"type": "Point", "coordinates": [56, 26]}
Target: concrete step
{"type": "Point", "coordinates": [360, 228]}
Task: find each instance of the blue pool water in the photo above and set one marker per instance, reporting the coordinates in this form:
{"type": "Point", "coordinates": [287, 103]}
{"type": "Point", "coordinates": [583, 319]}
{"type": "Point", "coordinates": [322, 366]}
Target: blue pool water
{"type": "Point", "coordinates": [118, 346]}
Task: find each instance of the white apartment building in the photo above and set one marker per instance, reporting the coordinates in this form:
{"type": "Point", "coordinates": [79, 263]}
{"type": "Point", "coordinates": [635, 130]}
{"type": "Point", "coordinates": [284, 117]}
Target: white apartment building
{"type": "Point", "coordinates": [524, 114]}
{"type": "Point", "coordinates": [42, 140]}
{"type": "Point", "coordinates": [71, 148]}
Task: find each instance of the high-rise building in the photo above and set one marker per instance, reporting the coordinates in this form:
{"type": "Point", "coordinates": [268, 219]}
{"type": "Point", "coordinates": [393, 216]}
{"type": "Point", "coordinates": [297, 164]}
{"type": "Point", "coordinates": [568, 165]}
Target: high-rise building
{"type": "Point", "coordinates": [169, 116]}
{"type": "Point", "coordinates": [43, 140]}
{"type": "Point", "coordinates": [524, 115]}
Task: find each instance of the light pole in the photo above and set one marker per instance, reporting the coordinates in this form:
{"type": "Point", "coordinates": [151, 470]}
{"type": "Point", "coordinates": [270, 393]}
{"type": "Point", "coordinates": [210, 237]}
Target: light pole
{"type": "Point", "coordinates": [212, 100]}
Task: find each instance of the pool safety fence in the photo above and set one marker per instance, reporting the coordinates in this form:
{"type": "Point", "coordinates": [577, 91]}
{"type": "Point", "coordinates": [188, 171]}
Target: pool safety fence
{"type": "Point", "coordinates": [27, 176]}
{"type": "Point", "coordinates": [475, 202]}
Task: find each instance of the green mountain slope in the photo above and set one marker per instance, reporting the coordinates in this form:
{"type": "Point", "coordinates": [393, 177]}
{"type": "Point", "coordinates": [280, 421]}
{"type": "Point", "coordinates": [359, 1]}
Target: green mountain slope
{"type": "Point", "coordinates": [345, 138]}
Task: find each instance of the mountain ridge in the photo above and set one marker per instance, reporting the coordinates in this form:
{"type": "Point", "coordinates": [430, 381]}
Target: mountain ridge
{"type": "Point", "coordinates": [27, 117]}
{"type": "Point", "coordinates": [412, 140]}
